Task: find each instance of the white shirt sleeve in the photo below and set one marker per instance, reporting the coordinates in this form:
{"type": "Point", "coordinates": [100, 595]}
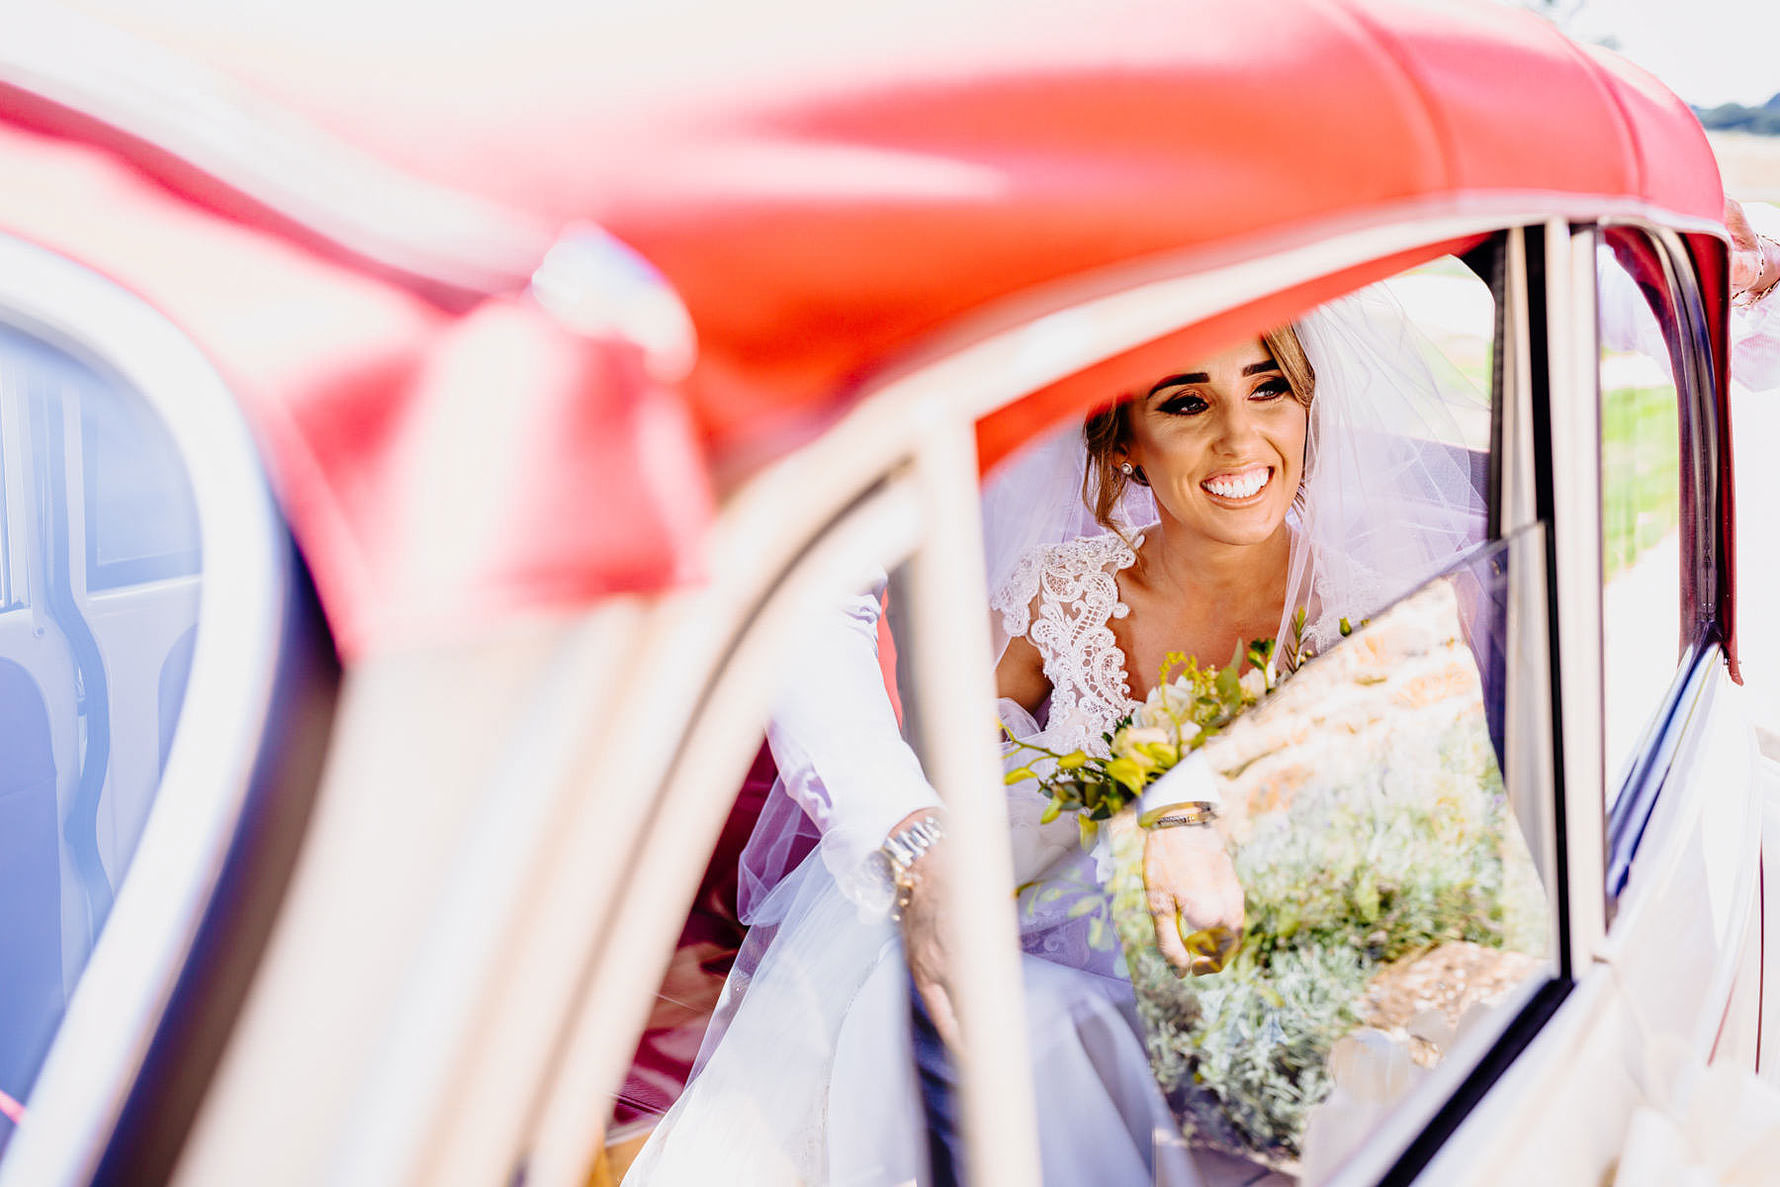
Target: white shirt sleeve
{"type": "Point", "coordinates": [838, 747]}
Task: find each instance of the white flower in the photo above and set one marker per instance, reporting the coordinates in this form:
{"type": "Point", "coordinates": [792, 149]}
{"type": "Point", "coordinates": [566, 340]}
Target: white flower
{"type": "Point", "coordinates": [1254, 684]}
{"type": "Point", "coordinates": [1167, 702]}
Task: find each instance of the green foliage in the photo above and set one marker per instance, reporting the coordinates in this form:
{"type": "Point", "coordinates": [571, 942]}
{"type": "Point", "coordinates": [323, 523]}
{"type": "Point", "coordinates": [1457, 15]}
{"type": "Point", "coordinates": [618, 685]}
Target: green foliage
{"type": "Point", "coordinates": [1640, 473]}
{"type": "Point", "coordinates": [1185, 708]}
{"type": "Point", "coordinates": [1361, 872]}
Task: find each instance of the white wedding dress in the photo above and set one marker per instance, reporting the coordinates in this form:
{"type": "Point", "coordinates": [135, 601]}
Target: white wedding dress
{"type": "Point", "coordinates": [809, 1074]}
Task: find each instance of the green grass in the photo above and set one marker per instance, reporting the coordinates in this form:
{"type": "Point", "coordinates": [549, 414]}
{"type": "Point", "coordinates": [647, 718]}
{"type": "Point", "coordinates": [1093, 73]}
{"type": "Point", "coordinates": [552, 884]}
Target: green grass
{"type": "Point", "coordinates": [1640, 473]}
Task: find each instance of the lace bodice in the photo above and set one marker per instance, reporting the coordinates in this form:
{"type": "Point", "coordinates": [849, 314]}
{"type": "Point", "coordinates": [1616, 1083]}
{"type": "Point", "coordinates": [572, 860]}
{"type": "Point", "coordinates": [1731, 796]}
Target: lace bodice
{"type": "Point", "coordinates": [1063, 597]}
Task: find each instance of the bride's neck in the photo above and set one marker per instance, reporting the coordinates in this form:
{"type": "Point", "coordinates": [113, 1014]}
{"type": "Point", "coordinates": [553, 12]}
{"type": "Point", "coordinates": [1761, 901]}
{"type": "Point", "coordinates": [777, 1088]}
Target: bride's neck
{"type": "Point", "coordinates": [1229, 575]}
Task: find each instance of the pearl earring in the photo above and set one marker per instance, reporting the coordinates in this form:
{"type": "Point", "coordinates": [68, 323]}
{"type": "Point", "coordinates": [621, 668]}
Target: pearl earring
{"type": "Point", "coordinates": [1126, 469]}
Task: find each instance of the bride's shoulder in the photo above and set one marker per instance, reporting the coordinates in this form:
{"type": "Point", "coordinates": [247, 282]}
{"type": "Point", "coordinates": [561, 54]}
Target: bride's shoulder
{"type": "Point", "coordinates": [1058, 566]}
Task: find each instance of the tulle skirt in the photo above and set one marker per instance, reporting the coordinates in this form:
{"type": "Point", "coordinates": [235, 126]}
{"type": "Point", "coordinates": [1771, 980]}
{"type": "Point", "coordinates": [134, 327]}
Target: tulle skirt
{"type": "Point", "coordinates": [808, 1075]}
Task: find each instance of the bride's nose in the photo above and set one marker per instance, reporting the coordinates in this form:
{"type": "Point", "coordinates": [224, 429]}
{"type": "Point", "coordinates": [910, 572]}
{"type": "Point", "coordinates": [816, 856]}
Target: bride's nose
{"type": "Point", "coordinates": [1239, 427]}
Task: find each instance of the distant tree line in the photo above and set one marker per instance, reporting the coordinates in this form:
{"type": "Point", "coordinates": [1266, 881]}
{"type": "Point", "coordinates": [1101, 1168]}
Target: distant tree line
{"type": "Point", "coordinates": [1734, 117]}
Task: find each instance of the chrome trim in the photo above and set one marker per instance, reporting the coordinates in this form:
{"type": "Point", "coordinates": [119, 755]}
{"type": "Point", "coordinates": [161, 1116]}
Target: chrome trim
{"type": "Point", "coordinates": [955, 678]}
{"type": "Point", "coordinates": [1575, 462]}
{"type": "Point", "coordinates": [1653, 759]}
{"type": "Point", "coordinates": [360, 204]}
{"type": "Point", "coordinates": [598, 285]}
{"type": "Point", "coordinates": [130, 975]}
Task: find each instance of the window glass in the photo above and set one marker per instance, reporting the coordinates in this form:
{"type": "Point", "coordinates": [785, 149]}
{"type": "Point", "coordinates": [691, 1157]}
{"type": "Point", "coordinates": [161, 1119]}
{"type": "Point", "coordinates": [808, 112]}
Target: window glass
{"type": "Point", "coordinates": [1641, 521]}
{"type": "Point", "coordinates": [138, 527]}
{"type": "Point", "coordinates": [1394, 918]}
{"type": "Point", "coordinates": [90, 685]}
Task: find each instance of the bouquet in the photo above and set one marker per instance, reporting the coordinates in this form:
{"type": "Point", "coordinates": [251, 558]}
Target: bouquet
{"type": "Point", "coordinates": [1185, 710]}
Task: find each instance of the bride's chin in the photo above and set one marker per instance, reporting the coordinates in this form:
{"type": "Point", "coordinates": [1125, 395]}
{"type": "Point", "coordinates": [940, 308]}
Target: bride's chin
{"type": "Point", "coordinates": [1243, 525]}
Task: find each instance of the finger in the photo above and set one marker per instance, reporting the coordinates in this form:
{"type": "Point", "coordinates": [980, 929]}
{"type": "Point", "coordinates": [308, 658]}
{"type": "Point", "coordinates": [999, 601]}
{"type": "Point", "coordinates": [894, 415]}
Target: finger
{"type": "Point", "coordinates": [1234, 914]}
{"type": "Point", "coordinates": [938, 1001]}
{"type": "Point", "coordinates": [1168, 937]}
{"type": "Point", "coordinates": [1737, 223]}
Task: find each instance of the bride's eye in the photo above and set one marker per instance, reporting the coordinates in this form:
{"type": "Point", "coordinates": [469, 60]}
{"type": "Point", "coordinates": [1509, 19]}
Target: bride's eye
{"type": "Point", "coordinates": [1273, 389]}
{"type": "Point", "coordinates": [1183, 404]}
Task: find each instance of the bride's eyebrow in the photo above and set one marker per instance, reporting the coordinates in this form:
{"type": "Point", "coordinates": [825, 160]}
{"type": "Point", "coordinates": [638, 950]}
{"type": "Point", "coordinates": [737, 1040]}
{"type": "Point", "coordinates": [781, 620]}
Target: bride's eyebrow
{"type": "Point", "coordinates": [1184, 380]}
{"type": "Point", "coordinates": [1191, 377]}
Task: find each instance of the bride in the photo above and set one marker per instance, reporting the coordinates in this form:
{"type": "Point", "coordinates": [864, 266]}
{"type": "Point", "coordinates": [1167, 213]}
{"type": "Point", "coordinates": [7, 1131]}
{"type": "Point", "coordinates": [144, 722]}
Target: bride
{"type": "Point", "coordinates": [1289, 472]}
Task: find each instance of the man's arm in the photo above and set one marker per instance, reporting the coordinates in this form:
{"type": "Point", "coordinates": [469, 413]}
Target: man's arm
{"type": "Point", "coordinates": [839, 750]}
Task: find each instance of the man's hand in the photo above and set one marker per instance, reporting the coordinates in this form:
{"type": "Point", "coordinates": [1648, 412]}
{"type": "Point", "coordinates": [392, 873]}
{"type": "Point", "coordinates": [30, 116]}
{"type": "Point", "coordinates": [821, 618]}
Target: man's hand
{"type": "Point", "coordinates": [1753, 266]}
{"type": "Point", "coordinates": [1194, 897]}
{"type": "Point", "coordinates": [924, 940]}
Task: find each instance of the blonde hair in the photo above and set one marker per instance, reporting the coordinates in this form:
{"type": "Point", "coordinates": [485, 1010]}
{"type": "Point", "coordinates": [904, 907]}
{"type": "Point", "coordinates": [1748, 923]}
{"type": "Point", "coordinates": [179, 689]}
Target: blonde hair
{"type": "Point", "coordinates": [1108, 430]}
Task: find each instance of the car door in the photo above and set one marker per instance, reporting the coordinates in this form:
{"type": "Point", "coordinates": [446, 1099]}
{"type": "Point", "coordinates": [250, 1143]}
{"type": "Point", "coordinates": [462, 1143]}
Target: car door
{"type": "Point", "coordinates": [142, 813]}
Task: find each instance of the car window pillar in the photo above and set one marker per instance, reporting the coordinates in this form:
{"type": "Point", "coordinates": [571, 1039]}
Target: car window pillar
{"type": "Point", "coordinates": [1574, 461]}
{"type": "Point", "coordinates": [1529, 758]}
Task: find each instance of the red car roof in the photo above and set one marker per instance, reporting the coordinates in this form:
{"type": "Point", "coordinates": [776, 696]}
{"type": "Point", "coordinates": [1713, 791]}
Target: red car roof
{"type": "Point", "coordinates": [826, 191]}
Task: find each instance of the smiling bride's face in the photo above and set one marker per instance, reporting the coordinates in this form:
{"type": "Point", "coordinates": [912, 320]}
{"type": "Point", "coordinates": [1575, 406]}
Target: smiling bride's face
{"type": "Point", "coordinates": [1222, 445]}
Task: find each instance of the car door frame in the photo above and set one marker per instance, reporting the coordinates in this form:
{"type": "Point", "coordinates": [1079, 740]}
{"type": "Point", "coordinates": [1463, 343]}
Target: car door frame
{"type": "Point", "coordinates": [951, 393]}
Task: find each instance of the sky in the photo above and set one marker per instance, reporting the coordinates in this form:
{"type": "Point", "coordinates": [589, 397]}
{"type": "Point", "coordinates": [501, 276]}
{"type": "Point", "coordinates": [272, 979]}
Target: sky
{"type": "Point", "coordinates": [1707, 51]}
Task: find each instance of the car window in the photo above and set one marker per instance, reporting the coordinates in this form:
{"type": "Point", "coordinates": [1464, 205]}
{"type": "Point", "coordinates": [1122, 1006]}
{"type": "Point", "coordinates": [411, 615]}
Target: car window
{"type": "Point", "coordinates": [1642, 615]}
{"type": "Point", "coordinates": [90, 683]}
{"type": "Point", "coordinates": [1396, 909]}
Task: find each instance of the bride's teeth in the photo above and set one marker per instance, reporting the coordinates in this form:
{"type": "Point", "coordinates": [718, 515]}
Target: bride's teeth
{"type": "Point", "coordinates": [1239, 488]}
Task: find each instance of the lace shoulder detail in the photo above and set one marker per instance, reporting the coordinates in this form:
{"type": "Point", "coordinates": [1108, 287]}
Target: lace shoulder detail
{"type": "Point", "coordinates": [1063, 597]}
{"type": "Point", "coordinates": [1017, 598]}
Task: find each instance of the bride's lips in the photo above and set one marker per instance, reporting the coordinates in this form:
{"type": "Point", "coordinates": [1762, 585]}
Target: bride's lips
{"type": "Point", "coordinates": [1239, 487]}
